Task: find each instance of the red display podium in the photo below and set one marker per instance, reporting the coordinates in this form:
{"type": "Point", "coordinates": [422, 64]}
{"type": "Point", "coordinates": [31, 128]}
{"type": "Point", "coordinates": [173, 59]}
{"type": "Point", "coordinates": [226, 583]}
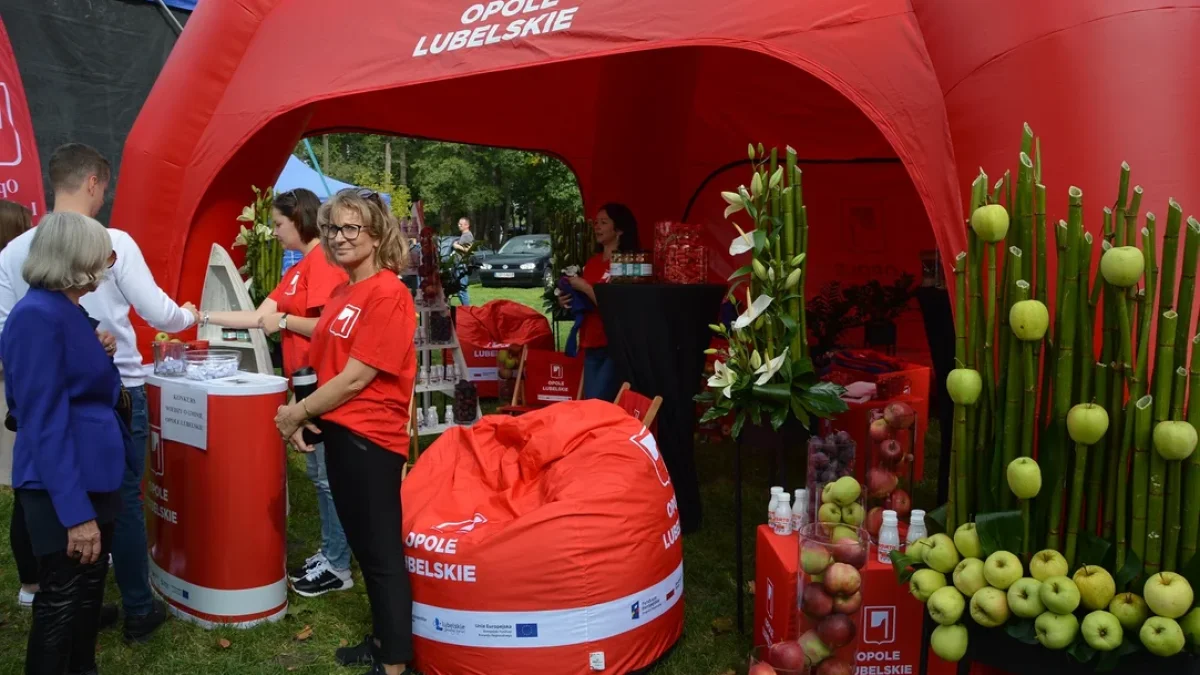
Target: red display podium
{"type": "Point", "coordinates": [890, 637]}
{"type": "Point", "coordinates": [217, 500]}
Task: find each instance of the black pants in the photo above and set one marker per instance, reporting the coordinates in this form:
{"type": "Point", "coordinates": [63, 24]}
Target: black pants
{"type": "Point", "coordinates": [66, 612]}
{"type": "Point", "coordinates": [22, 547]}
{"type": "Point", "coordinates": [365, 481]}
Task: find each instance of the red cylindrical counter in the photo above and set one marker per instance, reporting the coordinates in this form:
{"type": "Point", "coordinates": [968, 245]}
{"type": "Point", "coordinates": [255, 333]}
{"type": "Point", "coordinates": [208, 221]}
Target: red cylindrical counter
{"type": "Point", "coordinates": [215, 488]}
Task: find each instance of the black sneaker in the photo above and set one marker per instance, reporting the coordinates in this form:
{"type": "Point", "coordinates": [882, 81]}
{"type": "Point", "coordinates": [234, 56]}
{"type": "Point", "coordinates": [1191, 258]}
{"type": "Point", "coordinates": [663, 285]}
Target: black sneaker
{"type": "Point", "coordinates": [361, 654]}
{"type": "Point", "coordinates": [140, 628]}
{"type": "Point", "coordinates": [108, 616]}
{"type": "Point", "coordinates": [321, 579]}
{"type": "Point", "coordinates": [300, 571]}
{"type": "Point", "coordinates": [378, 669]}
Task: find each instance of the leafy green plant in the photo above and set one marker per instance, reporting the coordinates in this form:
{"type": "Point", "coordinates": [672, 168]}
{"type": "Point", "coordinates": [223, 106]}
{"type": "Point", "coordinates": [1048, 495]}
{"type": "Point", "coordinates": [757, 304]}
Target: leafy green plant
{"type": "Point", "coordinates": [876, 303]}
{"type": "Point", "coordinates": [264, 254]}
{"type": "Point", "coordinates": [830, 314]}
{"type": "Point", "coordinates": [765, 372]}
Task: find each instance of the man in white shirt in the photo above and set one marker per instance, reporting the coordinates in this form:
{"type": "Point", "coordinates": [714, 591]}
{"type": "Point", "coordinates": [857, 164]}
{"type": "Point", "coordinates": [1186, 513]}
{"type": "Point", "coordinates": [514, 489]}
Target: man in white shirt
{"type": "Point", "coordinates": [79, 176]}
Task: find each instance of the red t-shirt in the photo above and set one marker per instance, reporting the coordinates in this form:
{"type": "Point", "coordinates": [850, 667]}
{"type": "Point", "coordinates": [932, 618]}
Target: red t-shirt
{"type": "Point", "coordinates": [591, 333]}
{"type": "Point", "coordinates": [303, 291]}
{"type": "Point", "coordinates": [372, 321]}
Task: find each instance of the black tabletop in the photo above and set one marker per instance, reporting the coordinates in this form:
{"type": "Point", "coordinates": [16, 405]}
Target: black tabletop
{"type": "Point", "coordinates": [657, 334]}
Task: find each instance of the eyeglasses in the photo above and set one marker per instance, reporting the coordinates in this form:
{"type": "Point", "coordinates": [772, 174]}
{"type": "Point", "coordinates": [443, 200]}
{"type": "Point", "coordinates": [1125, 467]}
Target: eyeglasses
{"type": "Point", "coordinates": [349, 232]}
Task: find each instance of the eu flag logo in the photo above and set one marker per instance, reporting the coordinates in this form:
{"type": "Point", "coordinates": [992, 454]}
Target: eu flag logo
{"type": "Point", "coordinates": [527, 630]}
{"type": "Point", "coordinates": [635, 611]}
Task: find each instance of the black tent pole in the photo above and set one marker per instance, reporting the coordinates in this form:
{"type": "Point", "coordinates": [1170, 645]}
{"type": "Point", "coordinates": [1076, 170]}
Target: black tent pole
{"type": "Point", "coordinates": [737, 533]}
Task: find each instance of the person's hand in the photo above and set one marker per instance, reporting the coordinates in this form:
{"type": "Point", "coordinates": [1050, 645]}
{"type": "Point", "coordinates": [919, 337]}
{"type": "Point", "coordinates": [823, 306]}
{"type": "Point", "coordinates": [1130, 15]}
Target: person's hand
{"type": "Point", "coordinates": [83, 542]}
{"type": "Point", "coordinates": [289, 418]}
{"type": "Point", "coordinates": [269, 323]}
{"type": "Point", "coordinates": [298, 438]}
{"type": "Point", "coordinates": [564, 300]}
{"type": "Point", "coordinates": [191, 309]}
{"type": "Point", "coordinates": [579, 284]}
{"type": "Point", "coordinates": [107, 341]}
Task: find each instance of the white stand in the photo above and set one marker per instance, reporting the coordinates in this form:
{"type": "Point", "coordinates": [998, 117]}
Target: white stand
{"type": "Point", "coordinates": [224, 291]}
{"type": "Point", "coordinates": [423, 392]}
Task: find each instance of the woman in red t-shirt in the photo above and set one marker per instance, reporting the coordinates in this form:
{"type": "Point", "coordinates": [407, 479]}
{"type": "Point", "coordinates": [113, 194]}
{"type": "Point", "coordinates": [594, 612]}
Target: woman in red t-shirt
{"type": "Point", "coordinates": [362, 350]}
{"type": "Point", "coordinates": [292, 309]}
{"type": "Point", "coordinates": [616, 231]}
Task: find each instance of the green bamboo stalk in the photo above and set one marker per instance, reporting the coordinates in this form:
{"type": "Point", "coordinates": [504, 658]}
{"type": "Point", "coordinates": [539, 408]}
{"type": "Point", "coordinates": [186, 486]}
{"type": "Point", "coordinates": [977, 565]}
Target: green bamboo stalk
{"type": "Point", "coordinates": [980, 413]}
{"type": "Point", "coordinates": [1117, 392]}
{"type": "Point", "coordinates": [1087, 347]}
{"type": "Point", "coordinates": [960, 310]}
{"type": "Point", "coordinates": [1028, 421]}
{"type": "Point", "coordinates": [1172, 528]}
{"type": "Point", "coordinates": [1169, 263]}
{"type": "Point", "coordinates": [1012, 383]}
{"type": "Point", "coordinates": [1064, 363]}
{"type": "Point", "coordinates": [1099, 498]}
{"type": "Point", "coordinates": [958, 453]}
{"type": "Point", "coordinates": [789, 205]}
{"type": "Point", "coordinates": [1075, 513]}
{"type": "Point", "coordinates": [1164, 358]}
{"type": "Point", "coordinates": [1039, 267]}
{"type": "Point", "coordinates": [1187, 287]}
{"type": "Point", "coordinates": [1191, 494]}
{"type": "Point", "coordinates": [1044, 404]}
{"type": "Point", "coordinates": [1143, 428]}
{"type": "Point", "coordinates": [989, 334]}
{"type": "Point", "coordinates": [1025, 199]}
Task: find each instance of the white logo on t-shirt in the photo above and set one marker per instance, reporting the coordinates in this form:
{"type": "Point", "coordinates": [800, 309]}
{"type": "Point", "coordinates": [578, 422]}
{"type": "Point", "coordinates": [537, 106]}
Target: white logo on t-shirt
{"type": "Point", "coordinates": [291, 290]}
{"type": "Point", "coordinates": [344, 323]}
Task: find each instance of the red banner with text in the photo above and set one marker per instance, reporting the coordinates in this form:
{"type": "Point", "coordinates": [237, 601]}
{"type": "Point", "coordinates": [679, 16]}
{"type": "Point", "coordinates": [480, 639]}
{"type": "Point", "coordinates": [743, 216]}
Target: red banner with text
{"type": "Point", "coordinates": [20, 172]}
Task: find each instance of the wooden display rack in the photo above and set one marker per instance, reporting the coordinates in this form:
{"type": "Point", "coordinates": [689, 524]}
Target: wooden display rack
{"type": "Point", "coordinates": [423, 393]}
{"type": "Point", "coordinates": [224, 291]}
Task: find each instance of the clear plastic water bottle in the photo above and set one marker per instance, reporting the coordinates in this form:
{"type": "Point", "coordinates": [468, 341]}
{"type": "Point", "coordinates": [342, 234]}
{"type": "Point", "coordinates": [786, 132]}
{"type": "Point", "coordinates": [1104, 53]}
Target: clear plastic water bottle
{"type": "Point", "coordinates": [889, 536]}
{"type": "Point", "coordinates": [449, 416]}
{"type": "Point", "coordinates": [420, 418]}
{"type": "Point", "coordinates": [916, 528]}
{"type": "Point", "coordinates": [800, 510]}
{"type": "Point", "coordinates": [775, 492]}
{"type": "Point", "coordinates": [781, 521]}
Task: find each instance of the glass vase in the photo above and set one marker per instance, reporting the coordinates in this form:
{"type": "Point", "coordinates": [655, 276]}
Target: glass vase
{"type": "Point", "coordinates": [830, 589]}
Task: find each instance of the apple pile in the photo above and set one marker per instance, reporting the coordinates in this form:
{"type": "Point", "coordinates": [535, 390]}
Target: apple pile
{"type": "Point", "coordinates": [891, 432]}
{"type": "Point", "coordinates": [840, 510]}
{"type": "Point", "coordinates": [954, 580]}
{"type": "Point", "coordinates": [829, 459]}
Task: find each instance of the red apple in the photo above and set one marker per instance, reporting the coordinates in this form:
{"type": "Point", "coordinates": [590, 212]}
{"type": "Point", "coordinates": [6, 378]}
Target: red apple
{"type": "Point", "coordinates": [890, 451]}
{"type": "Point", "coordinates": [874, 520]}
{"type": "Point", "coordinates": [899, 415]}
{"type": "Point", "coordinates": [881, 482]}
{"type": "Point", "coordinates": [836, 630]}
{"type": "Point", "coordinates": [880, 431]}
{"type": "Point", "coordinates": [850, 551]}
{"type": "Point", "coordinates": [835, 667]}
{"type": "Point", "coordinates": [761, 668]}
{"type": "Point", "coordinates": [816, 602]}
{"type": "Point", "coordinates": [842, 579]}
{"type": "Point", "coordinates": [848, 604]}
{"type": "Point", "coordinates": [786, 655]}
{"type": "Point", "coordinates": [900, 502]}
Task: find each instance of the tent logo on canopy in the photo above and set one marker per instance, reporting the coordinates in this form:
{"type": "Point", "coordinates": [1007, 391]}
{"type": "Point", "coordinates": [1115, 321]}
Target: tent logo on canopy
{"type": "Point", "coordinates": [537, 17]}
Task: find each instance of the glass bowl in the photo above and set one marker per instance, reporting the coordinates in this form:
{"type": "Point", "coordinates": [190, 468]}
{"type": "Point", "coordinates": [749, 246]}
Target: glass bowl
{"type": "Point", "coordinates": [168, 358]}
{"type": "Point", "coordinates": [212, 364]}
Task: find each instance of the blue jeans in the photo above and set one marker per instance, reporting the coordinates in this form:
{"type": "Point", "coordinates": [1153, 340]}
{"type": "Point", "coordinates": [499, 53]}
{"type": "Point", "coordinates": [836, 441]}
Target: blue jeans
{"type": "Point", "coordinates": [333, 539]}
{"type": "Point", "coordinates": [599, 374]}
{"type": "Point", "coordinates": [131, 556]}
{"type": "Point", "coordinates": [464, 297]}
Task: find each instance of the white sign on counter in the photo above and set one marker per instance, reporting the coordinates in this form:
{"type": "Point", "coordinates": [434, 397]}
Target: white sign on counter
{"type": "Point", "coordinates": [184, 415]}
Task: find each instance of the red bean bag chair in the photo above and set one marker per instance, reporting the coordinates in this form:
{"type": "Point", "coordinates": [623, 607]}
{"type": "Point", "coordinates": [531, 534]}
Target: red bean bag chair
{"type": "Point", "coordinates": [483, 330]}
{"type": "Point", "coordinates": [547, 543]}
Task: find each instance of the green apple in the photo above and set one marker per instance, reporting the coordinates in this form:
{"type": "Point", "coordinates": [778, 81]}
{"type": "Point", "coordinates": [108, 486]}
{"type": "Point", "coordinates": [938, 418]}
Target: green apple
{"type": "Point", "coordinates": [1024, 478]}
{"type": "Point", "coordinates": [1168, 594]}
{"type": "Point", "coordinates": [161, 337]}
{"type": "Point", "coordinates": [1190, 623]}
{"type": "Point", "coordinates": [843, 532]}
{"type": "Point", "coordinates": [827, 494]}
{"type": "Point", "coordinates": [989, 607]}
{"type": "Point", "coordinates": [941, 555]}
{"type": "Point", "coordinates": [815, 558]}
{"type": "Point", "coordinates": [830, 513]}
{"type": "Point", "coordinates": [853, 514]}
{"type": "Point", "coordinates": [964, 386]}
{"type": "Point", "coordinates": [1002, 569]}
{"type": "Point", "coordinates": [1056, 631]}
{"type": "Point", "coordinates": [946, 605]}
{"type": "Point", "coordinates": [966, 539]}
{"type": "Point", "coordinates": [1174, 440]}
{"type": "Point", "coordinates": [990, 222]}
{"type": "Point", "coordinates": [917, 549]}
{"type": "Point", "coordinates": [924, 582]}
{"type": "Point", "coordinates": [1102, 631]}
{"type": "Point", "coordinates": [1096, 587]}
{"type": "Point", "coordinates": [1025, 598]}
{"type": "Point", "coordinates": [1060, 595]}
{"type": "Point", "coordinates": [845, 490]}
{"type": "Point", "coordinates": [1130, 609]}
{"type": "Point", "coordinates": [1048, 563]}
{"type": "Point", "coordinates": [968, 576]}
{"type": "Point", "coordinates": [1122, 266]}
{"type": "Point", "coordinates": [1029, 320]}
{"type": "Point", "coordinates": [1087, 423]}
{"type": "Point", "coordinates": [949, 642]}
{"type": "Point", "coordinates": [1162, 636]}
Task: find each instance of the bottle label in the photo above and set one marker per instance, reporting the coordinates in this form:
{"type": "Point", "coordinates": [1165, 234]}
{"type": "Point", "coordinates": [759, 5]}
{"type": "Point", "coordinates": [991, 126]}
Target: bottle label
{"type": "Point", "coordinates": [781, 526]}
{"type": "Point", "coordinates": [885, 551]}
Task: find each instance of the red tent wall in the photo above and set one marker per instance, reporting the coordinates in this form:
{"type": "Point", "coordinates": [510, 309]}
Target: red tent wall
{"type": "Point", "coordinates": [612, 96]}
{"type": "Point", "coordinates": [1100, 82]}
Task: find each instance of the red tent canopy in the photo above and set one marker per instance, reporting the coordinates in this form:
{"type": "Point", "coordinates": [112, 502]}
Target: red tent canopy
{"type": "Point", "coordinates": [646, 102]}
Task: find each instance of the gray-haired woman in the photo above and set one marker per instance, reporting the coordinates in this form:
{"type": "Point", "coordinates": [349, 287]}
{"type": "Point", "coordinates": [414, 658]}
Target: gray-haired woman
{"type": "Point", "coordinates": [70, 453]}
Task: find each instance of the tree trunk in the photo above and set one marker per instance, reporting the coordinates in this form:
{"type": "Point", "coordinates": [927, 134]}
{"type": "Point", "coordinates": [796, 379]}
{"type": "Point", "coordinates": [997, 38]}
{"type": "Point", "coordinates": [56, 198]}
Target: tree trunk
{"type": "Point", "coordinates": [325, 153]}
{"type": "Point", "coordinates": [387, 161]}
{"type": "Point", "coordinates": [404, 163]}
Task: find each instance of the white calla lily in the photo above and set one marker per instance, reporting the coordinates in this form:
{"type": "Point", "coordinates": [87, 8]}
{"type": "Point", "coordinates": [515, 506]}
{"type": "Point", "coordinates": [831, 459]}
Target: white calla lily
{"type": "Point", "coordinates": [743, 243]}
{"type": "Point", "coordinates": [723, 379]}
{"type": "Point", "coordinates": [752, 312]}
{"type": "Point", "coordinates": [768, 369]}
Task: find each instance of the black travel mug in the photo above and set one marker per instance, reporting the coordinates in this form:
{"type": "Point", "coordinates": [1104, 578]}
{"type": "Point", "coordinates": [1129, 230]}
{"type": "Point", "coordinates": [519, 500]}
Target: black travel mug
{"type": "Point", "coordinates": [304, 382]}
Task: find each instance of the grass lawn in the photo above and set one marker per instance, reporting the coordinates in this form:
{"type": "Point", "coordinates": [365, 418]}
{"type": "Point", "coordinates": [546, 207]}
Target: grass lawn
{"type": "Point", "coordinates": [182, 649]}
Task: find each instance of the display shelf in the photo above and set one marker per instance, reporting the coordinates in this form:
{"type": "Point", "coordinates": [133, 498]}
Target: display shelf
{"type": "Point", "coordinates": [225, 291]}
{"type": "Point", "coordinates": [452, 344]}
{"type": "Point", "coordinates": [441, 428]}
{"type": "Point", "coordinates": [444, 387]}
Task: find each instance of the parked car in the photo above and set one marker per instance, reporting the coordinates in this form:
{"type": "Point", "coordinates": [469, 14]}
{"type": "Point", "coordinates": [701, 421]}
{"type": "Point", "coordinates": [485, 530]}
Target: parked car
{"type": "Point", "coordinates": [522, 261]}
{"type": "Point", "coordinates": [478, 254]}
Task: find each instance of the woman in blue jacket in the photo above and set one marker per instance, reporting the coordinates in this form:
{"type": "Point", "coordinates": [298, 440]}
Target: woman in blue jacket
{"type": "Point", "coordinates": [69, 456]}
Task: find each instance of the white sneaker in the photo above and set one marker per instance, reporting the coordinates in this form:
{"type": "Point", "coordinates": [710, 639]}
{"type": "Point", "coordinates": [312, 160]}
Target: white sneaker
{"type": "Point", "coordinates": [297, 573]}
{"type": "Point", "coordinates": [25, 598]}
{"type": "Point", "coordinates": [322, 579]}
